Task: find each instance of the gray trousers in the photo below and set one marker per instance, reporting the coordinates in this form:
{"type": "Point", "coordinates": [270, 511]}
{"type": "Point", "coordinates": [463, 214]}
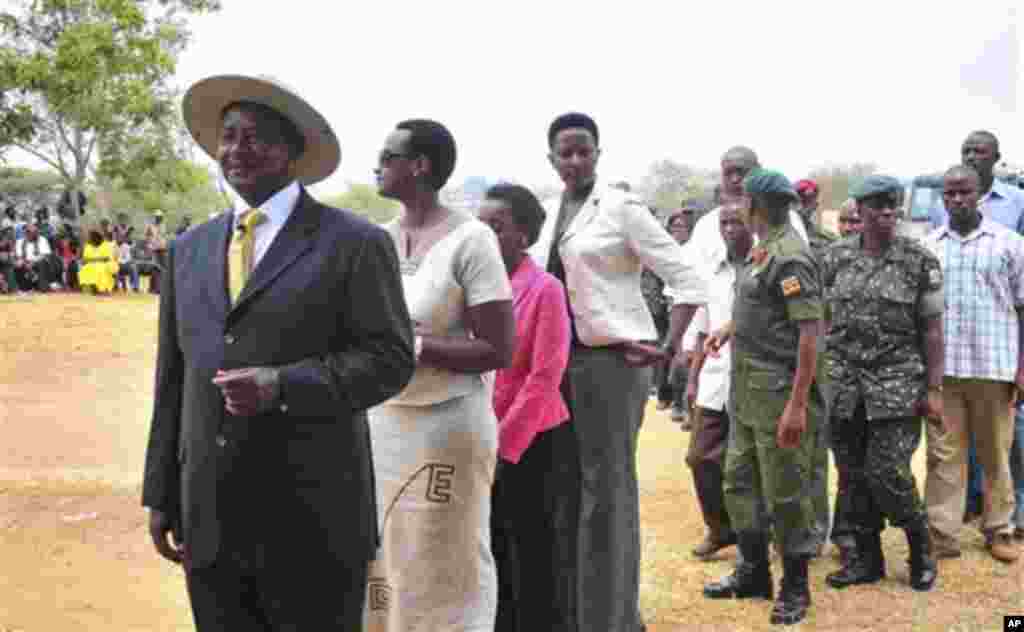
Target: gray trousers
{"type": "Point", "coordinates": [606, 400]}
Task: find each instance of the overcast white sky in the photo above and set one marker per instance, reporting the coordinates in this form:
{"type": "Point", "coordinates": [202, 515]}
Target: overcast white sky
{"type": "Point", "coordinates": [894, 82]}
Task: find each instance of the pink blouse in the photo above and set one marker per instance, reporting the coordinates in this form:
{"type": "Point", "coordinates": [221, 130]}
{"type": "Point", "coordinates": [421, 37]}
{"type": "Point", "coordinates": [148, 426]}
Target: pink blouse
{"type": "Point", "coordinates": [527, 399]}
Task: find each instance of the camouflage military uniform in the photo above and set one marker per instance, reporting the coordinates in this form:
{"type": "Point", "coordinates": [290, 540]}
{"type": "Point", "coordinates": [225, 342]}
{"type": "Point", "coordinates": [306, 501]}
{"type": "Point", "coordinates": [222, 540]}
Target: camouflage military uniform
{"type": "Point", "coordinates": [875, 360]}
{"type": "Point", "coordinates": [771, 297]}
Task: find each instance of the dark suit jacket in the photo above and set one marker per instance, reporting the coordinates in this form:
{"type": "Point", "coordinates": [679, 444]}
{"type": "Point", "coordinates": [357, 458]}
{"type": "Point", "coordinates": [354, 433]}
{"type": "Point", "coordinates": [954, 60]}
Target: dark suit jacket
{"type": "Point", "coordinates": [325, 306]}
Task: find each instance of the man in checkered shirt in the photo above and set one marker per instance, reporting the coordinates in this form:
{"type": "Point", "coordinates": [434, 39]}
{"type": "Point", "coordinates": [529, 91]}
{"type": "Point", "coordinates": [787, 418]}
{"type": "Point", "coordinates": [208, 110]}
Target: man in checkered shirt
{"type": "Point", "coordinates": [983, 266]}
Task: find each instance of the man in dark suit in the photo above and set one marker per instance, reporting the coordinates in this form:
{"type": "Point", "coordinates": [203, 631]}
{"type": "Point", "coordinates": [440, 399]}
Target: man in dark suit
{"type": "Point", "coordinates": [279, 327]}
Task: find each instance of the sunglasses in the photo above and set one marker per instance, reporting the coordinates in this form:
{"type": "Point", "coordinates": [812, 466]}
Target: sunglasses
{"type": "Point", "coordinates": [387, 156]}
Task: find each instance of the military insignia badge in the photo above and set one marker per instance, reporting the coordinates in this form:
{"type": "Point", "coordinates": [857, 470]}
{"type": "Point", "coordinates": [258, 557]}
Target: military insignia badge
{"type": "Point", "coordinates": [790, 286]}
{"type": "Point", "coordinates": [935, 276]}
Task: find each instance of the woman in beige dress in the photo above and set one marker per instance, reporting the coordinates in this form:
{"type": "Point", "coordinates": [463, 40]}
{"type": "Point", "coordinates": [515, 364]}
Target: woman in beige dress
{"type": "Point", "coordinates": [435, 444]}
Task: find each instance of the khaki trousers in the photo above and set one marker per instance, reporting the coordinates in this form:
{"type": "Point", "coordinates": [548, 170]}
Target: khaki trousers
{"type": "Point", "coordinates": [981, 408]}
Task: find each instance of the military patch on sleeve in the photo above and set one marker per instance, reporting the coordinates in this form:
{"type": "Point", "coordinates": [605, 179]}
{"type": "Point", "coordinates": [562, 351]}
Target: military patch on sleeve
{"type": "Point", "coordinates": [935, 277]}
{"type": "Point", "coordinates": [790, 286]}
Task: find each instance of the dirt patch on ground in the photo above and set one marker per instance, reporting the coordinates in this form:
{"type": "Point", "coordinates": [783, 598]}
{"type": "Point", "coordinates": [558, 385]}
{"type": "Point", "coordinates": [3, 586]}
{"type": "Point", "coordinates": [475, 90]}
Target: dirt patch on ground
{"type": "Point", "coordinates": [75, 397]}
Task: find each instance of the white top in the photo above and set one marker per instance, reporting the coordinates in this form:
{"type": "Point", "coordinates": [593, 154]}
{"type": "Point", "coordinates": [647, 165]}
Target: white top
{"type": "Point", "coordinates": [604, 249]}
{"type": "Point", "coordinates": [277, 209]}
{"type": "Point", "coordinates": [713, 387]}
{"type": "Point", "coordinates": [32, 251]}
{"type": "Point", "coordinates": [462, 269]}
{"type": "Point", "coordinates": [124, 253]}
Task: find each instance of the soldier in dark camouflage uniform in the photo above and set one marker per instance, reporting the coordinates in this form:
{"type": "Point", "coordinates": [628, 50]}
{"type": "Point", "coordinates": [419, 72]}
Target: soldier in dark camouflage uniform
{"type": "Point", "coordinates": [884, 361]}
{"type": "Point", "coordinates": [819, 239]}
{"type": "Point", "coordinates": [774, 402]}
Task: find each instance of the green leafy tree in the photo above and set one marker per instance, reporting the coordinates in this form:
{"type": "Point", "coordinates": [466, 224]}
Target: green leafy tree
{"type": "Point", "coordinates": [89, 71]}
{"type": "Point", "coordinates": [15, 121]}
{"type": "Point", "coordinates": [366, 201]}
{"type": "Point", "coordinates": [669, 183]}
{"type": "Point", "coordinates": [21, 181]}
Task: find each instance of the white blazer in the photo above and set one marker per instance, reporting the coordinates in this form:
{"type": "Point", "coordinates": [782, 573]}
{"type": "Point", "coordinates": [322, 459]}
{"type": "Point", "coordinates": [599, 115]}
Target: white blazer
{"type": "Point", "coordinates": [604, 250]}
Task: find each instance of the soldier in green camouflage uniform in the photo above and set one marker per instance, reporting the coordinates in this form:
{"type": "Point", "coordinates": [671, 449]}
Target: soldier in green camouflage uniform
{"type": "Point", "coordinates": [884, 347]}
{"type": "Point", "coordinates": [819, 239]}
{"type": "Point", "coordinates": [775, 403]}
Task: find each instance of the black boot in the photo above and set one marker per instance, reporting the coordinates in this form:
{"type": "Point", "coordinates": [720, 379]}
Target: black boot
{"type": "Point", "coordinates": [752, 576]}
{"type": "Point", "coordinates": [923, 570]}
{"type": "Point", "coordinates": [866, 565]}
{"type": "Point", "coordinates": [794, 593]}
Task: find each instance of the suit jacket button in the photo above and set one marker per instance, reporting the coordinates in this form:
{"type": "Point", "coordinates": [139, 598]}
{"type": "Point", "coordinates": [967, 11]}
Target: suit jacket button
{"type": "Point", "coordinates": [221, 441]}
{"type": "Point", "coordinates": [284, 408]}
{"type": "Point", "coordinates": [229, 339]}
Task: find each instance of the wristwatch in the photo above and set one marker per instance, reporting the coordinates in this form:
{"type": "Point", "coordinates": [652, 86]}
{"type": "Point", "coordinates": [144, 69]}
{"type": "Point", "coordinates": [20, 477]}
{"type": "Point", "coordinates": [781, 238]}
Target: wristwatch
{"type": "Point", "coordinates": [935, 387]}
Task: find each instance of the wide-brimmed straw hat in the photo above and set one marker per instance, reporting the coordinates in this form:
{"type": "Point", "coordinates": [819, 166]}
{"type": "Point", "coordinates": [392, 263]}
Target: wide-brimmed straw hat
{"type": "Point", "coordinates": [204, 104]}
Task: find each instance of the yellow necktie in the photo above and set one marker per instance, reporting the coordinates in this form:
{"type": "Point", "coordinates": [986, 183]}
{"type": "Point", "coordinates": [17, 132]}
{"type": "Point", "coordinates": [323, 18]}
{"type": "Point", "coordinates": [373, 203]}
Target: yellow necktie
{"type": "Point", "coordinates": [241, 251]}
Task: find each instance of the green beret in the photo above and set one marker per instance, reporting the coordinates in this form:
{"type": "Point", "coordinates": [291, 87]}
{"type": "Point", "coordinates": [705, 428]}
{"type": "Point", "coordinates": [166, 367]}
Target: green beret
{"type": "Point", "coordinates": [766, 181]}
{"type": "Point", "coordinates": [875, 185]}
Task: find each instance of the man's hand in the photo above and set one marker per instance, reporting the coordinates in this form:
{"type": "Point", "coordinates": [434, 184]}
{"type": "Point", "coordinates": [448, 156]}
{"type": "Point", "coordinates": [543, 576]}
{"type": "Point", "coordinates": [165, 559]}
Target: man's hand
{"type": "Point", "coordinates": [932, 409]}
{"type": "Point", "coordinates": [691, 394]}
{"type": "Point", "coordinates": [162, 532]}
{"type": "Point", "coordinates": [639, 354]}
{"type": "Point", "coordinates": [792, 424]}
{"type": "Point", "coordinates": [249, 391]}
{"type": "Point", "coordinates": [716, 341]}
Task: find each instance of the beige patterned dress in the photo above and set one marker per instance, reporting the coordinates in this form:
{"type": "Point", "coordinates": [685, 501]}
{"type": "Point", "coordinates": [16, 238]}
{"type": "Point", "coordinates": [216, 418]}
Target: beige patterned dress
{"type": "Point", "coordinates": [434, 448]}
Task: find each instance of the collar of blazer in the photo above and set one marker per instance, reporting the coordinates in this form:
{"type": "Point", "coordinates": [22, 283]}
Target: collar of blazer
{"type": "Point", "coordinates": [295, 238]}
{"type": "Point", "coordinates": [590, 209]}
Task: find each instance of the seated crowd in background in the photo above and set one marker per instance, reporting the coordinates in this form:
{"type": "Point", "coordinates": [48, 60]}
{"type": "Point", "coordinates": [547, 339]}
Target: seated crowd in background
{"type": "Point", "coordinates": [39, 255]}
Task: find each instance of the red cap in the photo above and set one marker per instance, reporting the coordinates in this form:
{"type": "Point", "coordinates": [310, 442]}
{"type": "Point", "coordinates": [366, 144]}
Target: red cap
{"type": "Point", "coordinates": [806, 186]}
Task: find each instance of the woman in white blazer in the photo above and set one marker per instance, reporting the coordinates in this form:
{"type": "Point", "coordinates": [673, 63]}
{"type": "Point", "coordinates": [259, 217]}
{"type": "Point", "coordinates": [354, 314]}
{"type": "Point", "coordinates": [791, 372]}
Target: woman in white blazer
{"type": "Point", "coordinates": [597, 240]}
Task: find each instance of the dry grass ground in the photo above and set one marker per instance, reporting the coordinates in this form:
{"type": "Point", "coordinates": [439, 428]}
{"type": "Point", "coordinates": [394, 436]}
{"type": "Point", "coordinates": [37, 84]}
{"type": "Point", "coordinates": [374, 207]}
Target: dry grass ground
{"type": "Point", "coordinates": [75, 387]}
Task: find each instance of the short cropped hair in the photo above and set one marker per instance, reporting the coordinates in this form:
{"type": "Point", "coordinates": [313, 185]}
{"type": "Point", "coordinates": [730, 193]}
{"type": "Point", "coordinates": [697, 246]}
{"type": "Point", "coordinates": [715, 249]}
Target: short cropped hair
{"type": "Point", "coordinates": [989, 137]}
{"type": "Point", "coordinates": [524, 206]}
{"type": "Point", "coordinates": [572, 120]}
{"type": "Point", "coordinates": [958, 171]}
{"type": "Point", "coordinates": [433, 140]}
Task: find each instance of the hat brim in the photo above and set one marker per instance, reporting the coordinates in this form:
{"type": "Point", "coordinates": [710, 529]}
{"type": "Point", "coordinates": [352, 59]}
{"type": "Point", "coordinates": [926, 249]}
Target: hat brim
{"type": "Point", "coordinates": [203, 109]}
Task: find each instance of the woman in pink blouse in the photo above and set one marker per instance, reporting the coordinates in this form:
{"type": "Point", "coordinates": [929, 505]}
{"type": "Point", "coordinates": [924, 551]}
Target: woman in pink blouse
{"type": "Point", "coordinates": [531, 509]}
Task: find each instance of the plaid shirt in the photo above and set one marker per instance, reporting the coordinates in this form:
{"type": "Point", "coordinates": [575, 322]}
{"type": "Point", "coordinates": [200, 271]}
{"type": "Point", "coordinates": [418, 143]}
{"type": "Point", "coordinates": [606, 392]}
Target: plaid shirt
{"type": "Point", "coordinates": [984, 288]}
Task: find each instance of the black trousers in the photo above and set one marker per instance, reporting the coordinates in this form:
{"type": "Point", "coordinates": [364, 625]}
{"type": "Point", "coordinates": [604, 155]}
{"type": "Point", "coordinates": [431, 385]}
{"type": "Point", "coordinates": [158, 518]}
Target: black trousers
{"type": "Point", "coordinates": [240, 593]}
{"type": "Point", "coordinates": [880, 484]}
{"type": "Point", "coordinates": [533, 517]}
{"type": "Point", "coordinates": [39, 275]}
{"type": "Point", "coordinates": [706, 458]}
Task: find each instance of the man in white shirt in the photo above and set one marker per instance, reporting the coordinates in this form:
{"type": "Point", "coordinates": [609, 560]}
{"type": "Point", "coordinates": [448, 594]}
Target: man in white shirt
{"type": "Point", "coordinates": [709, 246]}
{"type": "Point", "coordinates": [34, 264]}
{"type": "Point", "coordinates": [127, 269]}
{"type": "Point", "coordinates": [706, 239]}
{"type": "Point", "coordinates": [708, 387]}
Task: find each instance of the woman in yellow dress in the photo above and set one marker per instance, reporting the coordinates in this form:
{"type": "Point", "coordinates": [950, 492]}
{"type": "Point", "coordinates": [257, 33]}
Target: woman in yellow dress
{"type": "Point", "coordinates": [99, 268]}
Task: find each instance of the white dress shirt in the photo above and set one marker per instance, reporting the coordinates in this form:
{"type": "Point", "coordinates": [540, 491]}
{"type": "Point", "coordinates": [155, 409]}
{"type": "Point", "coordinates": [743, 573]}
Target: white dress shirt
{"type": "Point", "coordinates": [604, 250]}
{"type": "Point", "coordinates": [32, 251]}
{"type": "Point", "coordinates": [277, 209]}
{"type": "Point", "coordinates": [713, 387]}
